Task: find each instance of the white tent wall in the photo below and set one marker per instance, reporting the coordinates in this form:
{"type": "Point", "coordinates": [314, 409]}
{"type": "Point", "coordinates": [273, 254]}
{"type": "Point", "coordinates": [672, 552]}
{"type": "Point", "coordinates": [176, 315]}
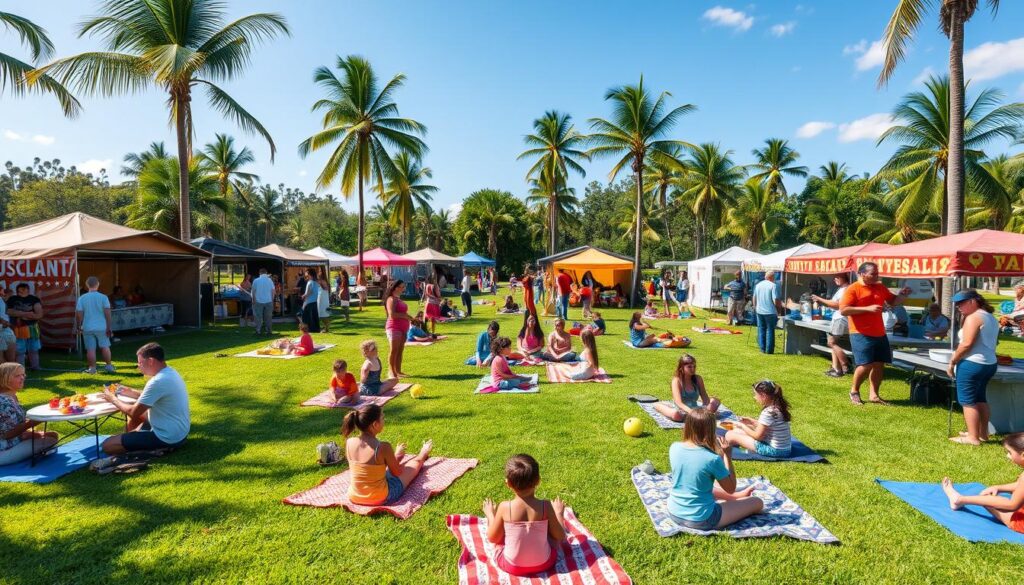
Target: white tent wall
{"type": "Point", "coordinates": [708, 274]}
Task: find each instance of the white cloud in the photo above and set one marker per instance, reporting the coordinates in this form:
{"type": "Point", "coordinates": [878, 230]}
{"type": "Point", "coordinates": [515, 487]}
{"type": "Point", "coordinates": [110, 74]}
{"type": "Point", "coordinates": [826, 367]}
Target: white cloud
{"type": "Point", "coordinates": [866, 128]}
{"type": "Point", "coordinates": [873, 57]}
{"type": "Point", "coordinates": [781, 30]}
{"type": "Point", "coordinates": [303, 173]}
{"type": "Point", "coordinates": [856, 49]}
{"type": "Point", "coordinates": [722, 16]}
{"type": "Point", "coordinates": [37, 138]}
{"type": "Point", "coordinates": [12, 135]}
{"type": "Point", "coordinates": [454, 210]}
{"type": "Point", "coordinates": [923, 76]}
{"type": "Point", "coordinates": [94, 166]}
{"type": "Point", "coordinates": [992, 60]}
{"type": "Point", "coordinates": [812, 129]}
{"type": "Point", "coordinates": [44, 140]}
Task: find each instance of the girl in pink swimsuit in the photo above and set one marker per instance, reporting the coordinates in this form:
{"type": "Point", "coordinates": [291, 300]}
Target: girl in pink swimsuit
{"type": "Point", "coordinates": [527, 530]}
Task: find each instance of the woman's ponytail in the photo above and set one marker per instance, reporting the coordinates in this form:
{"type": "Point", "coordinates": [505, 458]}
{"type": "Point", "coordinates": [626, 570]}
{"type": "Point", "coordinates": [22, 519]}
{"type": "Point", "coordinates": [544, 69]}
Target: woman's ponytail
{"type": "Point", "coordinates": [360, 418]}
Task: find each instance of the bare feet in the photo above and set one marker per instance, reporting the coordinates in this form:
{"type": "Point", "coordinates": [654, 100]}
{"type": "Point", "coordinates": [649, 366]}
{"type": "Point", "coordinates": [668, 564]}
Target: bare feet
{"type": "Point", "coordinates": [878, 400]}
{"type": "Point", "coordinates": [745, 493]}
{"type": "Point", "coordinates": [983, 438]}
{"type": "Point", "coordinates": [966, 440]}
{"type": "Point", "coordinates": [425, 449]}
{"type": "Point", "coordinates": [951, 493]}
{"type": "Point", "coordinates": [400, 451]}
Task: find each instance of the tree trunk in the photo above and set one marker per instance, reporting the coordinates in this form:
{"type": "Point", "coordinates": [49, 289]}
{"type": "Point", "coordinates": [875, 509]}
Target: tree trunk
{"type": "Point", "coordinates": [638, 168]}
{"type": "Point", "coordinates": [181, 106]}
{"type": "Point", "coordinates": [668, 224]}
{"type": "Point", "coordinates": [492, 244]}
{"type": "Point", "coordinates": [362, 221]}
{"type": "Point", "coordinates": [955, 170]}
{"type": "Point", "coordinates": [698, 245]}
{"type": "Point", "coordinates": [553, 223]}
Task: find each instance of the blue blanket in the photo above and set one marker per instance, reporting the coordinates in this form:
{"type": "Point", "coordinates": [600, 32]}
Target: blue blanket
{"type": "Point", "coordinates": [972, 523]}
{"type": "Point", "coordinates": [68, 458]}
{"type": "Point", "coordinates": [781, 516]}
{"type": "Point", "coordinates": [800, 454]}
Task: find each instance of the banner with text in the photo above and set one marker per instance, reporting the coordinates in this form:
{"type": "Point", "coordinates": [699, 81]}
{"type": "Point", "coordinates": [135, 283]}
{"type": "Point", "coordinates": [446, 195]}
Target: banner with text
{"type": "Point", "coordinates": [52, 280]}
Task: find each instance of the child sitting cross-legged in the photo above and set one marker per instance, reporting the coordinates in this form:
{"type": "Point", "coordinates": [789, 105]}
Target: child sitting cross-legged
{"type": "Point", "coordinates": [1009, 511]}
{"type": "Point", "coordinates": [769, 435]}
{"type": "Point", "coordinates": [302, 346]}
{"type": "Point", "coordinates": [343, 383]}
{"type": "Point", "coordinates": [526, 529]}
{"type": "Point", "coordinates": [370, 383]}
{"type": "Point", "coordinates": [417, 331]}
{"type": "Point", "coordinates": [378, 474]}
{"type": "Point", "coordinates": [687, 390]}
{"type": "Point", "coordinates": [502, 376]}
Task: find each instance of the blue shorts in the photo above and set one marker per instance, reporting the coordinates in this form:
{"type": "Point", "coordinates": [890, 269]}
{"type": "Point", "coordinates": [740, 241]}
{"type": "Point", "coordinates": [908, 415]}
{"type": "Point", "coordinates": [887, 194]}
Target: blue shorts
{"type": "Point", "coordinates": [972, 380]}
{"type": "Point", "coordinates": [710, 523]}
{"type": "Point", "coordinates": [144, 439]}
{"type": "Point", "coordinates": [766, 450]}
{"type": "Point", "coordinates": [869, 350]}
{"type": "Point", "coordinates": [395, 488]}
{"type": "Point", "coordinates": [94, 339]}
{"type": "Point", "coordinates": [30, 345]}
{"type": "Point", "coordinates": [370, 389]}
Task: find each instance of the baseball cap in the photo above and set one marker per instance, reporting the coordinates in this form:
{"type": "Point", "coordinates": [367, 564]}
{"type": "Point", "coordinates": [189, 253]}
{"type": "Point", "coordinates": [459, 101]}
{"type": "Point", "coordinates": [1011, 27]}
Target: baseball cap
{"type": "Point", "coordinates": [966, 295]}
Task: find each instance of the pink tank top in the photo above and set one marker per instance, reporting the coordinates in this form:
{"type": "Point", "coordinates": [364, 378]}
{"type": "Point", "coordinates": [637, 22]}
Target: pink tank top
{"type": "Point", "coordinates": [401, 325]}
{"type": "Point", "coordinates": [527, 548]}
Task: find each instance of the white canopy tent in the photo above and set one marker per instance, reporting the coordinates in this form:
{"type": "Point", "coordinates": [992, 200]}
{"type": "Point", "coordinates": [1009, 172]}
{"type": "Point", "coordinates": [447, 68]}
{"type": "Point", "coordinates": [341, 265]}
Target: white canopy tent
{"type": "Point", "coordinates": [777, 260]}
{"type": "Point", "coordinates": [333, 258]}
{"type": "Point", "coordinates": [788, 285]}
{"type": "Point", "coordinates": [662, 265]}
{"type": "Point", "coordinates": [708, 274]}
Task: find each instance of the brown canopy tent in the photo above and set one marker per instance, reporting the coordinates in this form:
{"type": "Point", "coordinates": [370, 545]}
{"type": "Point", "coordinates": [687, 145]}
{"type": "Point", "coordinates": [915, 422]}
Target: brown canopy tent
{"type": "Point", "coordinates": [54, 257]}
{"type": "Point", "coordinates": [295, 264]}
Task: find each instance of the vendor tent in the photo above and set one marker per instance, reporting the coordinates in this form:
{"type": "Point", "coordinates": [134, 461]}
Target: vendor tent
{"type": "Point", "coordinates": [830, 261]}
{"type": "Point", "coordinates": [55, 256]}
{"type": "Point", "coordinates": [333, 258]}
{"type": "Point", "coordinates": [431, 264]}
{"type": "Point", "coordinates": [228, 253]}
{"type": "Point", "coordinates": [777, 260]}
{"type": "Point", "coordinates": [474, 260]}
{"type": "Point", "coordinates": [295, 265]}
{"type": "Point", "coordinates": [607, 268]}
{"type": "Point", "coordinates": [976, 253]}
{"type": "Point", "coordinates": [222, 274]}
{"type": "Point", "coordinates": [670, 264]}
{"type": "Point", "coordinates": [382, 257]}
{"type": "Point", "coordinates": [707, 274]}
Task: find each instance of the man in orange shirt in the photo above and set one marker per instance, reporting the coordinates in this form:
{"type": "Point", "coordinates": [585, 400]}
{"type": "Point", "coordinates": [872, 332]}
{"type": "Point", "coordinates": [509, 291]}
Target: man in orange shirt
{"type": "Point", "coordinates": [862, 304]}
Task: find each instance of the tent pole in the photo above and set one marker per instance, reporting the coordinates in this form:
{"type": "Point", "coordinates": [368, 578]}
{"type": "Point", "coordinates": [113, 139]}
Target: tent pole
{"type": "Point", "coordinates": [79, 347]}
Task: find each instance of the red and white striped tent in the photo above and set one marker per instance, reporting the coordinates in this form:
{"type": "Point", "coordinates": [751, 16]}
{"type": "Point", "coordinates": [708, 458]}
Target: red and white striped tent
{"type": "Point", "coordinates": [54, 257]}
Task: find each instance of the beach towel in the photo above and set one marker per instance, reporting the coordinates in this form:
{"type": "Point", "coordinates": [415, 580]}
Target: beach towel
{"type": "Point", "coordinates": [67, 458]}
{"type": "Point", "coordinates": [717, 331]}
{"type": "Point", "coordinates": [559, 374]}
{"type": "Point", "coordinates": [326, 399]}
{"type": "Point", "coordinates": [486, 387]}
{"type": "Point", "coordinates": [449, 319]}
{"type": "Point", "coordinates": [664, 422]}
{"type": "Point", "coordinates": [799, 454]}
{"type": "Point", "coordinates": [437, 474]}
{"type": "Point", "coordinates": [483, 302]}
{"type": "Point", "coordinates": [972, 523]}
{"type": "Point", "coordinates": [425, 343]}
{"type": "Point", "coordinates": [781, 516]}
{"type": "Point", "coordinates": [252, 354]}
{"type": "Point", "coordinates": [581, 559]}
{"type": "Point", "coordinates": [628, 344]}
{"type": "Point", "coordinates": [507, 312]}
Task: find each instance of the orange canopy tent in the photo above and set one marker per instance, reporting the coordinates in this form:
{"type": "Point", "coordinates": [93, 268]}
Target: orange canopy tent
{"type": "Point", "coordinates": [832, 261]}
{"type": "Point", "coordinates": [976, 253]}
{"type": "Point", "coordinates": [606, 268]}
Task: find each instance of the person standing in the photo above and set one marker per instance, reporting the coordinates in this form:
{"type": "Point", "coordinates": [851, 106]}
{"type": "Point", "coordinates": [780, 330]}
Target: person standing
{"type": "Point", "coordinates": [564, 289]}
{"type": "Point", "coordinates": [92, 318]}
{"type": "Point", "coordinates": [666, 285]}
{"type": "Point", "coordinates": [263, 302]}
{"type": "Point", "coordinates": [396, 328]}
{"type": "Point", "coordinates": [27, 310]}
{"type": "Point", "coordinates": [528, 291]}
{"type": "Point", "coordinates": [245, 301]}
{"type": "Point", "coordinates": [683, 292]}
{"type": "Point", "coordinates": [839, 328]}
{"type": "Point", "coordinates": [344, 294]}
{"type": "Point", "coordinates": [974, 363]}
{"type": "Point", "coordinates": [310, 308]}
{"type": "Point", "coordinates": [737, 290]}
{"type": "Point", "coordinates": [766, 308]}
{"type": "Point", "coordinates": [467, 295]}
{"type": "Point", "coordinates": [8, 343]}
{"type": "Point", "coordinates": [323, 304]}
{"type": "Point", "coordinates": [862, 304]}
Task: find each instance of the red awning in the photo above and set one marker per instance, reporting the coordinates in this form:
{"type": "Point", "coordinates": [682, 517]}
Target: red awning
{"type": "Point", "coordinates": [382, 257]}
{"type": "Point", "coordinates": [831, 261]}
{"type": "Point", "coordinates": [977, 253]}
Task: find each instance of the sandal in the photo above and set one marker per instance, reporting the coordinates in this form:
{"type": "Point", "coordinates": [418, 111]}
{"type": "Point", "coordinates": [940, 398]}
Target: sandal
{"type": "Point", "coordinates": [855, 399]}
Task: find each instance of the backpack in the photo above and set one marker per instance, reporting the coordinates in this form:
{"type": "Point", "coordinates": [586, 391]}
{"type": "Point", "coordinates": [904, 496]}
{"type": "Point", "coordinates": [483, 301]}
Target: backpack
{"type": "Point", "coordinates": [927, 389]}
{"type": "Point", "coordinates": [328, 453]}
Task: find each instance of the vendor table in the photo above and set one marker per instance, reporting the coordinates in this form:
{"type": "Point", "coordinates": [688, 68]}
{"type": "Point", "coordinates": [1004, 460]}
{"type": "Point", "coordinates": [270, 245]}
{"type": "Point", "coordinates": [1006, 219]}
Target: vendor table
{"type": "Point", "coordinates": [142, 316]}
{"type": "Point", "coordinates": [97, 412]}
{"type": "Point", "coordinates": [1005, 391]}
{"type": "Point", "coordinates": [802, 335]}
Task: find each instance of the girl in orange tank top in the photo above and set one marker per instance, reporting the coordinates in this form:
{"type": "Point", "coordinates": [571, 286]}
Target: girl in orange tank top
{"type": "Point", "coordinates": [379, 476]}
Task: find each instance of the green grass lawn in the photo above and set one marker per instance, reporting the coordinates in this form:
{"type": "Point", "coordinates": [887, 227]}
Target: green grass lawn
{"type": "Point", "coordinates": [212, 511]}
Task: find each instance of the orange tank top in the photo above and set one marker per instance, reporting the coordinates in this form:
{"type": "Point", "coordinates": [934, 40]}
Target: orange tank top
{"type": "Point", "coordinates": [369, 485]}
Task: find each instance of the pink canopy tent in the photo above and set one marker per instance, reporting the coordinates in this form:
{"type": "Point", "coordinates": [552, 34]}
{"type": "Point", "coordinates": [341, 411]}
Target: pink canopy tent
{"type": "Point", "coordinates": [976, 253]}
{"type": "Point", "coordinates": [832, 261]}
{"type": "Point", "coordinates": [382, 257]}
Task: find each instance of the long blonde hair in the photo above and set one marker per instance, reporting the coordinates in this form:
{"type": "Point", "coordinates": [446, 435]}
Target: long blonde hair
{"type": "Point", "coordinates": [7, 373]}
{"type": "Point", "coordinates": [700, 429]}
{"type": "Point", "coordinates": [587, 337]}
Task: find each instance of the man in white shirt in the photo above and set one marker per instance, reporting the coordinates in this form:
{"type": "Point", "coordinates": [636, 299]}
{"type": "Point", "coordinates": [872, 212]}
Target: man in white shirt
{"type": "Point", "coordinates": [766, 308]}
{"type": "Point", "coordinates": [263, 302]}
{"type": "Point", "coordinates": [92, 318]}
{"type": "Point", "coordinates": [467, 297]}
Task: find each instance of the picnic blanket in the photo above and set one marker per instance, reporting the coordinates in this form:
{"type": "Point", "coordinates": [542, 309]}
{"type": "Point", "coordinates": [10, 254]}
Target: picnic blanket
{"type": "Point", "coordinates": [559, 374]}
{"type": "Point", "coordinates": [67, 458]}
{"type": "Point", "coordinates": [664, 422]}
{"type": "Point", "coordinates": [487, 387]}
{"type": "Point", "coordinates": [326, 399]}
{"type": "Point", "coordinates": [449, 319]}
{"type": "Point", "coordinates": [425, 343]}
{"type": "Point", "coordinates": [581, 558]}
{"type": "Point", "coordinates": [717, 330]}
{"type": "Point", "coordinates": [252, 354]}
{"type": "Point", "coordinates": [800, 453]}
{"type": "Point", "coordinates": [630, 345]}
{"type": "Point", "coordinates": [437, 474]}
{"type": "Point", "coordinates": [781, 515]}
{"type": "Point", "coordinates": [507, 312]}
{"type": "Point", "coordinates": [972, 523]}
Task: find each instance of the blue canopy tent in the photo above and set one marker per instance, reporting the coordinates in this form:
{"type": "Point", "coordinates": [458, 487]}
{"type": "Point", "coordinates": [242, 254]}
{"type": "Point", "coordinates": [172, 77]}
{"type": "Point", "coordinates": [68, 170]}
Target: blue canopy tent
{"type": "Point", "coordinates": [474, 260]}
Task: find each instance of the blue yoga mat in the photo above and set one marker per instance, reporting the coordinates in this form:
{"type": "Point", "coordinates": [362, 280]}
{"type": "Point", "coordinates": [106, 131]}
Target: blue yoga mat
{"type": "Point", "coordinates": [972, 523]}
{"type": "Point", "coordinates": [68, 458]}
{"type": "Point", "coordinates": [800, 453]}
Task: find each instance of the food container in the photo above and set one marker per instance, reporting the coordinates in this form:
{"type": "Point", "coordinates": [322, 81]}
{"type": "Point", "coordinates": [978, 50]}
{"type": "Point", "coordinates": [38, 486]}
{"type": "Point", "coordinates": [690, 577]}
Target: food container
{"type": "Point", "coordinates": [727, 425]}
{"type": "Point", "coordinates": [940, 355]}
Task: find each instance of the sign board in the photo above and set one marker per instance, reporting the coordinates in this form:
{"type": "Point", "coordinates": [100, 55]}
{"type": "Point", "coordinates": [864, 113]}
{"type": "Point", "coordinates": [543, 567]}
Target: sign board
{"type": "Point", "coordinates": [54, 281]}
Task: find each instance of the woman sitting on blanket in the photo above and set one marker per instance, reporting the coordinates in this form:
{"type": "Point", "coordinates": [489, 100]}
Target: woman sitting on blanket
{"type": "Point", "coordinates": [559, 347]}
{"type": "Point", "coordinates": [687, 389]}
{"type": "Point", "coordinates": [650, 310]}
{"type": "Point", "coordinates": [1009, 511]}
{"type": "Point", "coordinates": [379, 476]}
{"type": "Point", "coordinates": [370, 383]}
{"type": "Point", "coordinates": [698, 462]}
{"type": "Point", "coordinates": [526, 530]}
{"type": "Point", "coordinates": [482, 357]}
{"type": "Point", "coordinates": [769, 435]}
{"type": "Point", "coordinates": [417, 332]}
{"type": "Point", "coordinates": [531, 337]}
{"type": "Point", "coordinates": [638, 334]}
{"type": "Point", "coordinates": [589, 362]}
{"type": "Point", "coordinates": [302, 346]}
{"type": "Point", "coordinates": [502, 376]}
{"type": "Point", "coordinates": [510, 306]}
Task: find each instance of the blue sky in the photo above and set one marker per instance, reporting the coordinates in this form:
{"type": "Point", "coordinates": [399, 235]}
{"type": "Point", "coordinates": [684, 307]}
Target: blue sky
{"type": "Point", "coordinates": [480, 72]}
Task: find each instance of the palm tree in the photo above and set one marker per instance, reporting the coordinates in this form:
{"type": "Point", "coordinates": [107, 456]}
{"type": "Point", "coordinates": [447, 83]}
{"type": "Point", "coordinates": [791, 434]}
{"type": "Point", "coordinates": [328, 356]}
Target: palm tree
{"type": "Point", "coordinates": [710, 183]}
{"type": "Point", "coordinates": [755, 218]}
{"type": "Point", "coordinates": [634, 131]}
{"type": "Point", "coordinates": [491, 217]}
{"type": "Point", "coordinates": [994, 192]}
{"type": "Point", "coordinates": [773, 161]}
{"type": "Point", "coordinates": [15, 71]}
{"type": "Point", "coordinates": [556, 144]}
{"type": "Point", "coordinates": [824, 218]}
{"type": "Point", "coordinates": [433, 229]}
{"type": "Point", "coordinates": [660, 176]}
{"type": "Point", "coordinates": [270, 211]}
{"type": "Point", "coordinates": [885, 224]}
{"type": "Point", "coordinates": [175, 45]}
{"type": "Point", "coordinates": [545, 191]}
{"type": "Point", "coordinates": [406, 191]}
{"type": "Point", "coordinates": [227, 164]}
{"type": "Point", "coordinates": [363, 119]}
{"type": "Point", "coordinates": [156, 204]}
{"type": "Point", "coordinates": [629, 223]}
{"type": "Point", "coordinates": [135, 162]}
{"type": "Point", "coordinates": [296, 230]}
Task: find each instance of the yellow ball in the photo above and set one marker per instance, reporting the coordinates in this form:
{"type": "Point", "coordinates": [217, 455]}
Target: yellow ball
{"type": "Point", "coordinates": [633, 427]}
{"type": "Point", "coordinates": [416, 391]}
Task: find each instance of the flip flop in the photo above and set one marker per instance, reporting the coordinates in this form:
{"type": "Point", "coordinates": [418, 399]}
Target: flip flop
{"type": "Point", "coordinates": [855, 399]}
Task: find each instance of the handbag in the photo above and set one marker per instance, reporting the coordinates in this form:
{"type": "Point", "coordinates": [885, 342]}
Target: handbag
{"type": "Point", "coordinates": [328, 453]}
{"type": "Point", "coordinates": [927, 389]}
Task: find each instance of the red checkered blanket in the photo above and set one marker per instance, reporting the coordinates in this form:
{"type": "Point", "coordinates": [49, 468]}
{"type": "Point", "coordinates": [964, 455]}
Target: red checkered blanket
{"type": "Point", "coordinates": [326, 399]}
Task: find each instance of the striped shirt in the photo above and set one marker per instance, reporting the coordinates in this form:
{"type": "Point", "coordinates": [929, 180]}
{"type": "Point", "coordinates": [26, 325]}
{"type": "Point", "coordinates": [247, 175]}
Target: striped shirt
{"type": "Point", "coordinates": [779, 436]}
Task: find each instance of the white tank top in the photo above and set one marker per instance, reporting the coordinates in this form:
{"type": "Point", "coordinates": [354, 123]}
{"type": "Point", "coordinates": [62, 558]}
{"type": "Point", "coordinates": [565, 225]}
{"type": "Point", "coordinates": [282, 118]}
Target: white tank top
{"type": "Point", "coordinates": [983, 351]}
